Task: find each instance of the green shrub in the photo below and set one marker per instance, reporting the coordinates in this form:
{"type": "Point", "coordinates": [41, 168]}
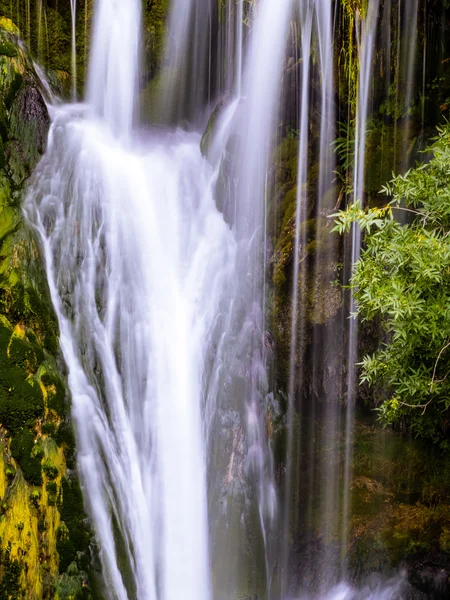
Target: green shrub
{"type": "Point", "coordinates": [403, 280]}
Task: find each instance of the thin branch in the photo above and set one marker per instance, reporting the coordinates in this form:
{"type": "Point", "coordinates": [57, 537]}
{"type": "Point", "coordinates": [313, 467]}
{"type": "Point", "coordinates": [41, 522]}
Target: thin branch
{"type": "Point", "coordinates": [442, 380]}
{"type": "Point", "coordinates": [437, 360]}
{"type": "Point", "coordinates": [416, 212]}
{"type": "Point", "coordinates": [424, 406]}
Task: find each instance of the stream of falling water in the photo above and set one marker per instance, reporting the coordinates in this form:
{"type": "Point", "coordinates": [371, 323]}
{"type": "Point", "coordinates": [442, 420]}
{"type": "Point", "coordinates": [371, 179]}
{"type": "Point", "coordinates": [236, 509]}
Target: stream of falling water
{"type": "Point", "coordinates": [366, 30]}
{"type": "Point", "coordinates": [160, 297]}
{"type": "Point", "coordinates": [73, 11]}
{"type": "Point", "coordinates": [136, 292]}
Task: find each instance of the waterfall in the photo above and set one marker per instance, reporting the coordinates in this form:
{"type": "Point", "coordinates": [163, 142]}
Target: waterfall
{"type": "Point", "coordinates": [297, 324]}
{"type": "Point", "coordinates": [187, 86]}
{"type": "Point", "coordinates": [159, 258]}
{"type": "Point", "coordinates": [136, 292]}
{"type": "Point", "coordinates": [114, 68]}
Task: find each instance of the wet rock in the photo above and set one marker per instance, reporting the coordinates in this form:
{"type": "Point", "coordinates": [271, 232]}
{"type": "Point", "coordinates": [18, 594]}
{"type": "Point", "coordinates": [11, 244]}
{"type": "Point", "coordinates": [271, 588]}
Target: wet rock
{"type": "Point", "coordinates": [208, 135]}
{"type": "Point", "coordinates": [3, 121]}
{"type": "Point", "coordinates": [17, 164]}
{"type": "Point", "coordinates": [430, 574]}
{"type": "Point", "coordinates": [29, 126]}
{"type": "Point", "coordinates": [24, 118]}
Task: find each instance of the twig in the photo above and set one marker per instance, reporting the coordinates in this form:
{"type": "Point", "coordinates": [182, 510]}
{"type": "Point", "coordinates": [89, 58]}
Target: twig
{"type": "Point", "coordinates": [437, 360]}
{"type": "Point", "coordinates": [424, 406]}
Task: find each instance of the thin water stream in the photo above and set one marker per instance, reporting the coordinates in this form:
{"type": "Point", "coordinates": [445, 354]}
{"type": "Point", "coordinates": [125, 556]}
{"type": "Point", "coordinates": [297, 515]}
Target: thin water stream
{"type": "Point", "coordinates": [73, 11]}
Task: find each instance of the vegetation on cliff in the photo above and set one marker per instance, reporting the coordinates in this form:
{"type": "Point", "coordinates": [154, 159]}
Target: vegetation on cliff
{"type": "Point", "coordinates": [44, 540]}
{"type": "Point", "coordinates": [402, 279]}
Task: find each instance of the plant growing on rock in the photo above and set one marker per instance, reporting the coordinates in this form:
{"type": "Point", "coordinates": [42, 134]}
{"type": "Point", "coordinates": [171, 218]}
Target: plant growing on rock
{"type": "Point", "coordinates": [403, 279]}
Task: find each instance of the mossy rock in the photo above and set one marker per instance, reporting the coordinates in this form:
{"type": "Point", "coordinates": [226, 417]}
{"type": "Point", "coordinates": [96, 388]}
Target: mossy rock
{"type": "Point", "coordinates": [29, 126]}
{"type": "Point", "coordinates": [32, 391]}
{"type": "Point", "coordinates": [14, 64]}
{"type": "Point", "coordinates": [22, 445]}
{"type": "Point", "coordinates": [7, 49]}
{"type": "Point", "coordinates": [4, 124]}
{"type": "Point", "coordinates": [155, 19]}
{"type": "Point", "coordinates": [8, 25]}
{"type": "Point", "coordinates": [150, 99]}
{"type": "Point", "coordinates": [400, 500]}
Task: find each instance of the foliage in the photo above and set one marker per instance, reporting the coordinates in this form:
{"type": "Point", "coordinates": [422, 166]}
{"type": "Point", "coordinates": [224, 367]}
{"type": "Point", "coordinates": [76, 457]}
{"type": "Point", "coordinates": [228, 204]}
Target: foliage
{"type": "Point", "coordinates": [403, 279]}
{"type": "Point", "coordinates": [344, 147]}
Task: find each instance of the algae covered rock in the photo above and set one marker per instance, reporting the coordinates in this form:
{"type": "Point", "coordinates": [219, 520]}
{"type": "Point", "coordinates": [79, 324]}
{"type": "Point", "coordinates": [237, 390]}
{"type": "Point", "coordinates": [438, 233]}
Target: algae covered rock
{"type": "Point", "coordinates": [400, 514]}
{"type": "Point", "coordinates": [39, 495]}
{"type": "Point", "coordinates": [29, 126]}
{"type": "Point", "coordinates": [24, 118]}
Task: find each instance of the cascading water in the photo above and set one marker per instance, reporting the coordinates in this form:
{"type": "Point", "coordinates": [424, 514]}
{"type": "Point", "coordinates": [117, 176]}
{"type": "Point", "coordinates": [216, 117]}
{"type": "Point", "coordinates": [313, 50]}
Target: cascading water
{"type": "Point", "coordinates": [162, 299]}
{"type": "Point", "coordinates": [136, 293]}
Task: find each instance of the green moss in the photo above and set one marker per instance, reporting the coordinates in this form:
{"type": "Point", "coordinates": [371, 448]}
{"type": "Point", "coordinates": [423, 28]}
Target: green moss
{"type": "Point", "coordinates": [75, 536]}
{"type": "Point", "coordinates": [21, 399]}
{"type": "Point", "coordinates": [38, 451]}
{"type": "Point", "coordinates": [22, 445]}
{"type": "Point", "coordinates": [25, 355]}
{"type": "Point", "coordinates": [400, 498]}
{"type": "Point", "coordinates": [7, 49]}
{"type": "Point", "coordinates": [52, 493]}
{"type": "Point", "coordinates": [10, 473]}
{"type": "Point", "coordinates": [35, 498]}
{"type": "Point", "coordinates": [386, 153]}
{"type": "Point", "coordinates": [56, 392]}
{"type": "Point", "coordinates": [49, 428]}
{"type": "Point", "coordinates": [50, 469]}
{"type": "Point", "coordinates": [155, 15]}
{"type": "Point", "coordinates": [65, 438]}
{"type": "Point", "coordinates": [71, 586]}
{"type": "Point", "coordinates": [7, 24]}
{"type": "Point", "coordinates": [11, 571]}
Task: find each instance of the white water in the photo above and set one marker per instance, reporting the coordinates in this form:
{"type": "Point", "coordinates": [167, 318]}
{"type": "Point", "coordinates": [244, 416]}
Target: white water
{"type": "Point", "coordinates": [114, 68]}
{"type": "Point", "coordinates": [391, 590]}
{"type": "Point", "coordinates": [136, 292]}
{"type": "Point", "coordinates": [261, 85]}
{"type": "Point", "coordinates": [138, 258]}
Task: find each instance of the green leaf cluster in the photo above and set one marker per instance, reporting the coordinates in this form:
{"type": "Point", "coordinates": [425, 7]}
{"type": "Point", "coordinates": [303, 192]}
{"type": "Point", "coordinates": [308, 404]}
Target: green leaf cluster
{"type": "Point", "coordinates": [403, 280]}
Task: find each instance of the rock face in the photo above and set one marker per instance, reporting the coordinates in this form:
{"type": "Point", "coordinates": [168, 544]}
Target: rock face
{"type": "Point", "coordinates": [24, 118]}
{"type": "Point", "coordinates": [400, 510]}
{"type": "Point", "coordinates": [44, 540]}
{"type": "Point", "coordinates": [28, 131]}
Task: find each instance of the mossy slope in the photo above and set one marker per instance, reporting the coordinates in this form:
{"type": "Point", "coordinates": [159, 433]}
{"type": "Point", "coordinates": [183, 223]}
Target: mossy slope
{"type": "Point", "coordinates": [43, 537]}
